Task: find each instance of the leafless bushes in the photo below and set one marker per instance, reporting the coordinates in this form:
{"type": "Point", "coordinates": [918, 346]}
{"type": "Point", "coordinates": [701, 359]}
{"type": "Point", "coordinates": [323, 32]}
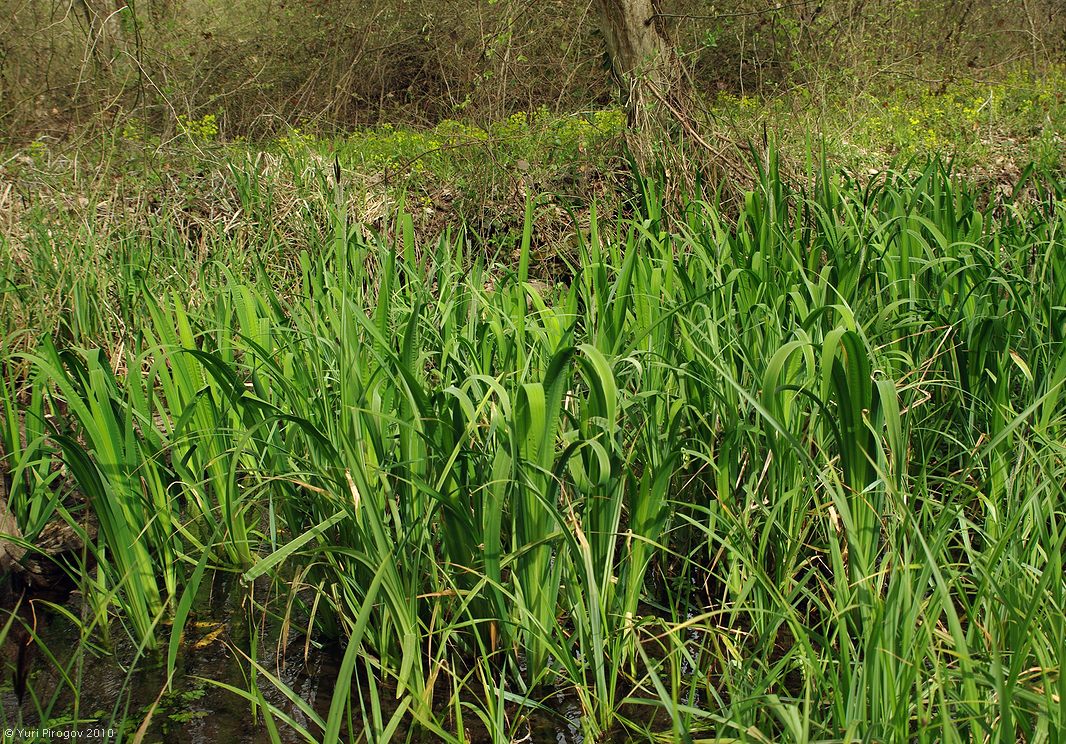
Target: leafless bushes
{"type": "Point", "coordinates": [259, 65]}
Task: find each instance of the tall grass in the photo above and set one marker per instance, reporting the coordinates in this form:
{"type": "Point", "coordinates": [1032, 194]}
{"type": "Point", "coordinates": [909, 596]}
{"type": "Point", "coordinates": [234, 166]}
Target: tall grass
{"type": "Point", "coordinates": [791, 472]}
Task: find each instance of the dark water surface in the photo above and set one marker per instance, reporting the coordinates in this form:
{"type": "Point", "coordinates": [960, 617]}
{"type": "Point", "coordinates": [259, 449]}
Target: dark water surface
{"type": "Point", "coordinates": [114, 692]}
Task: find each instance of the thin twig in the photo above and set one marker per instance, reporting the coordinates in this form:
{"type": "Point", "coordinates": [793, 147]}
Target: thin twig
{"type": "Point", "coordinates": [736, 14]}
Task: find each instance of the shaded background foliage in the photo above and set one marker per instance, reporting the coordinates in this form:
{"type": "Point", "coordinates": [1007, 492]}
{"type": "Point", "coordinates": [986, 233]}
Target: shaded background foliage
{"type": "Point", "coordinates": [260, 66]}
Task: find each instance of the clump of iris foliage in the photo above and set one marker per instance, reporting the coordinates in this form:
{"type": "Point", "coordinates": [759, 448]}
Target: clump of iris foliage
{"type": "Point", "coordinates": [787, 471]}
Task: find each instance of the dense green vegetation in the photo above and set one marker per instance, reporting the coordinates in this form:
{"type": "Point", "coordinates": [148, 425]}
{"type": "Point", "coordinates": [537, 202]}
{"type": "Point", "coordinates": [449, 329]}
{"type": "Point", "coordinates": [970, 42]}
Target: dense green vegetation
{"type": "Point", "coordinates": [469, 374]}
{"type": "Point", "coordinates": [788, 470]}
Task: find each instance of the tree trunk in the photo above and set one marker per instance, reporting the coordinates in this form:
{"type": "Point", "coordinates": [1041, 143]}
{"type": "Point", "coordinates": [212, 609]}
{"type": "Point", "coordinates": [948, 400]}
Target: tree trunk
{"type": "Point", "coordinates": [105, 29]}
{"type": "Point", "coordinates": [642, 61]}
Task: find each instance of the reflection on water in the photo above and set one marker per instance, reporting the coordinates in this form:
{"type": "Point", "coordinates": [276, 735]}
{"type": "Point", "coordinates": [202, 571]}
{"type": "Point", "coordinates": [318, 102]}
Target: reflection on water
{"type": "Point", "coordinates": [115, 691]}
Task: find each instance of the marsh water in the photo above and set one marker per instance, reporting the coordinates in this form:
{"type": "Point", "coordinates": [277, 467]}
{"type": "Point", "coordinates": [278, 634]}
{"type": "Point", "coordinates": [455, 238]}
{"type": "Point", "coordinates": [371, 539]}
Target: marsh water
{"type": "Point", "coordinates": [116, 690]}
